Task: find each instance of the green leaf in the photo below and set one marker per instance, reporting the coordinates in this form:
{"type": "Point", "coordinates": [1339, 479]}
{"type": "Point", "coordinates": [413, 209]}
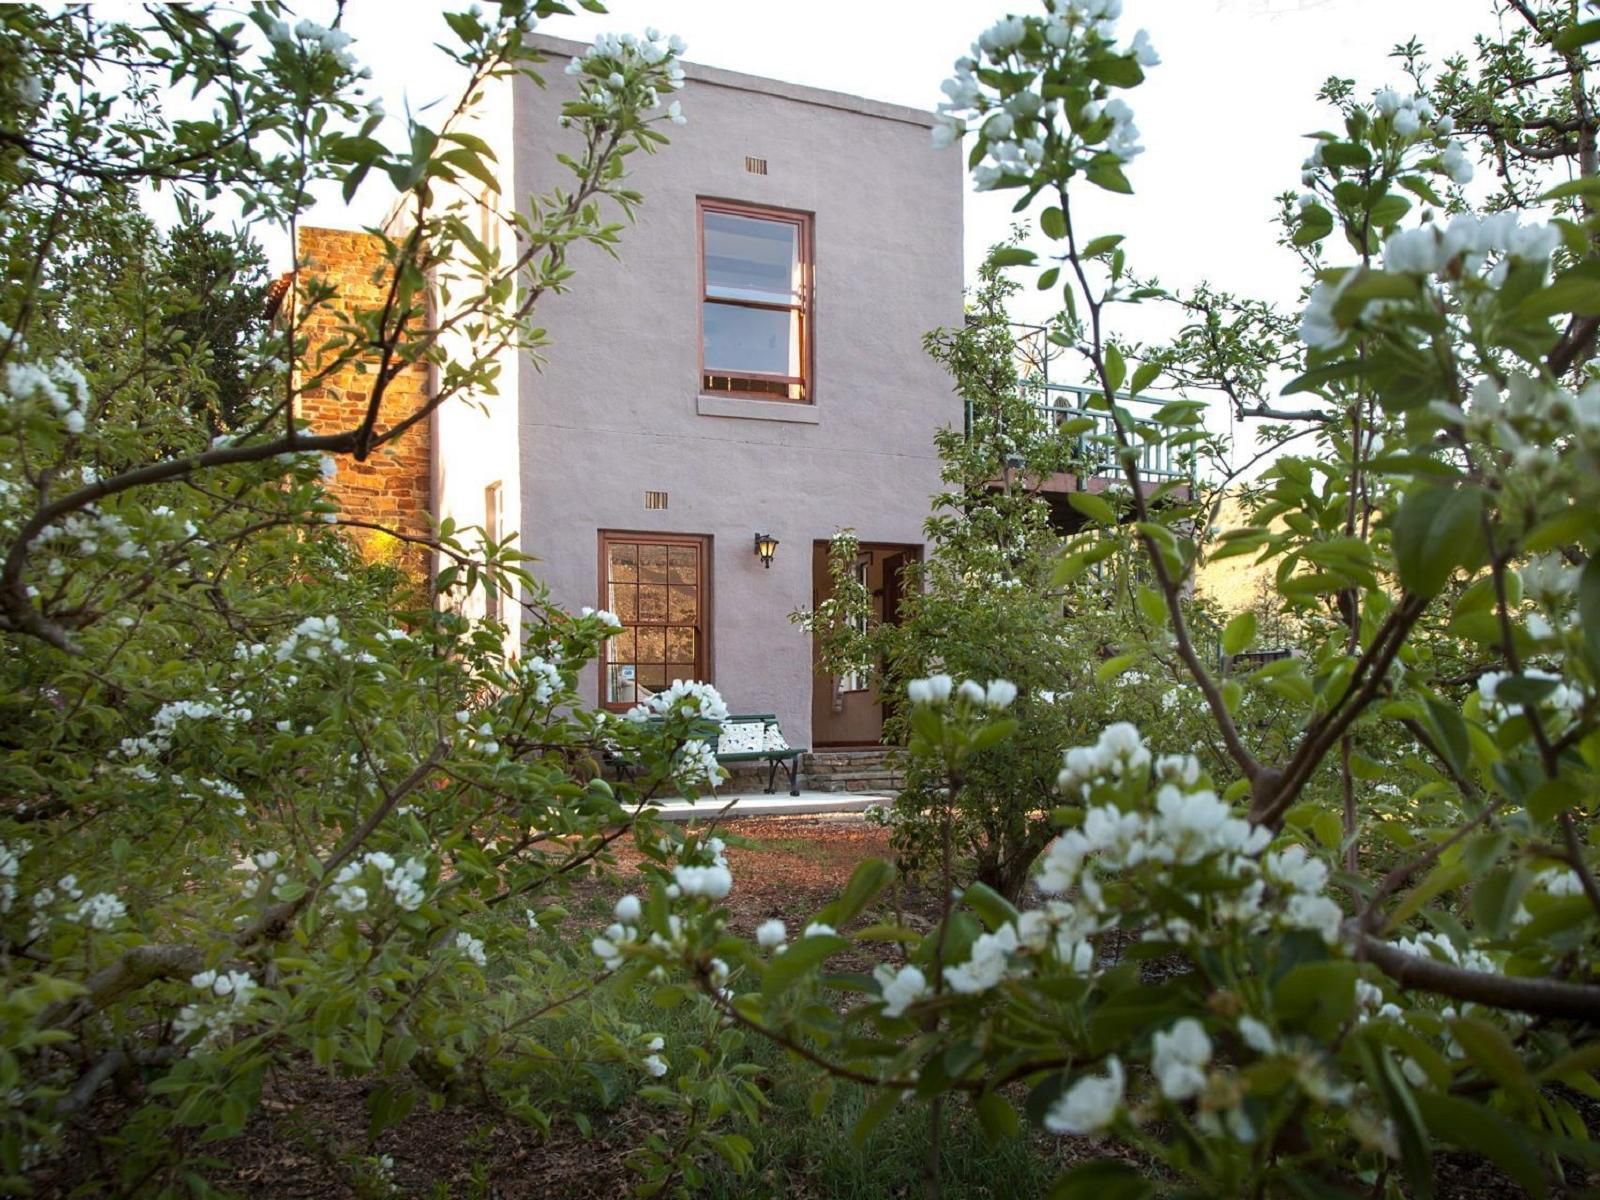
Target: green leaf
{"type": "Point", "coordinates": [1143, 377]}
{"type": "Point", "coordinates": [1239, 633]}
{"type": "Point", "coordinates": [881, 1106]}
{"type": "Point", "coordinates": [997, 1117]}
{"type": "Point", "coordinates": [1437, 530]}
{"type": "Point", "coordinates": [803, 955]}
{"type": "Point", "coordinates": [1346, 154]}
{"type": "Point", "coordinates": [1576, 35]}
{"type": "Point", "coordinates": [1105, 172]}
{"type": "Point", "coordinates": [1054, 223]}
{"type": "Point", "coordinates": [1152, 606]}
{"type": "Point", "coordinates": [1442, 878]}
{"type": "Point", "coordinates": [1416, 1155]}
{"type": "Point", "coordinates": [992, 908]}
{"type": "Point", "coordinates": [1116, 369]}
{"type": "Point", "coordinates": [1011, 256]}
{"type": "Point", "coordinates": [1389, 210]}
{"type": "Point", "coordinates": [1315, 224]}
{"type": "Point", "coordinates": [1112, 667]}
{"type": "Point", "coordinates": [1491, 1050]}
{"type": "Point", "coordinates": [1496, 899]}
{"type": "Point", "coordinates": [1574, 292]}
{"type": "Point", "coordinates": [1103, 1179]}
{"type": "Point", "coordinates": [1482, 1131]}
{"type": "Point", "coordinates": [1588, 185]}
{"type": "Point", "coordinates": [1103, 244]}
{"type": "Point", "coordinates": [1047, 279]}
{"type": "Point", "coordinates": [867, 881]}
{"type": "Point", "coordinates": [1450, 732]}
{"type": "Point", "coordinates": [1589, 610]}
{"type": "Point", "coordinates": [1093, 507]}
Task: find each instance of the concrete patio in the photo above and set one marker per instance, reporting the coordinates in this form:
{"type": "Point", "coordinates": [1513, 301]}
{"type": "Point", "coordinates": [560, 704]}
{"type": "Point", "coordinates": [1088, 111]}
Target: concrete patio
{"type": "Point", "coordinates": [759, 804]}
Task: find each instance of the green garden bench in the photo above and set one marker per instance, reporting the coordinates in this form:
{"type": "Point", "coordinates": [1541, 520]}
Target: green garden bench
{"type": "Point", "coordinates": [756, 737]}
{"type": "Point", "coordinates": [741, 737]}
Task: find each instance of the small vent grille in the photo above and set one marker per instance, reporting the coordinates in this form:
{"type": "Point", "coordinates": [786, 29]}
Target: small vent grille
{"type": "Point", "coordinates": [656, 500]}
{"type": "Point", "coordinates": [756, 166]}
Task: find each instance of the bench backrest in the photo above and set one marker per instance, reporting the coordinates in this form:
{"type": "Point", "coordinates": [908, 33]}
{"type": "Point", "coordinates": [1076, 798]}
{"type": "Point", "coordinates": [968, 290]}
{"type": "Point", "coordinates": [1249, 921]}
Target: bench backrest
{"type": "Point", "coordinates": [747, 733]}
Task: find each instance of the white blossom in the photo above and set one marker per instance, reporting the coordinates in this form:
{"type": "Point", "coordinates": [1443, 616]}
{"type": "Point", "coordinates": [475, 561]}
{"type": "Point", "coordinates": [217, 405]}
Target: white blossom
{"type": "Point", "coordinates": [1257, 1036]}
{"type": "Point", "coordinates": [472, 948]}
{"type": "Point", "coordinates": [1179, 1057]}
{"type": "Point", "coordinates": [1456, 163]}
{"type": "Point", "coordinates": [1090, 1104]}
{"type": "Point", "coordinates": [901, 989]}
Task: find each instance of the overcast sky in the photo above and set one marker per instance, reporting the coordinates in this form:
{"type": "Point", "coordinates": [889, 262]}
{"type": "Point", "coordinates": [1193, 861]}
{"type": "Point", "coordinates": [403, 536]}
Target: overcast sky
{"type": "Point", "coordinates": [1224, 117]}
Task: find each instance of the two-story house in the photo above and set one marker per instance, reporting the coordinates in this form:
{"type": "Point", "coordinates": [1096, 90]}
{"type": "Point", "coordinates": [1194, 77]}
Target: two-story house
{"type": "Point", "coordinates": [746, 381]}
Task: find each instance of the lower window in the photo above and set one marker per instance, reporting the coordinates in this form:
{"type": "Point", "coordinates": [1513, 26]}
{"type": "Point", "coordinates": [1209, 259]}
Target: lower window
{"type": "Point", "coordinates": [656, 585]}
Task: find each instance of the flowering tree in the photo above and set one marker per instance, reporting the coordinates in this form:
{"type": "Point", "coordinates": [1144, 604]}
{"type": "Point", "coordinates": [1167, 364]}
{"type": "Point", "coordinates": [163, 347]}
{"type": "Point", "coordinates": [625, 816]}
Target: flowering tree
{"type": "Point", "coordinates": [984, 606]}
{"type": "Point", "coordinates": [260, 803]}
{"type": "Point", "coordinates": [1254, 1009]}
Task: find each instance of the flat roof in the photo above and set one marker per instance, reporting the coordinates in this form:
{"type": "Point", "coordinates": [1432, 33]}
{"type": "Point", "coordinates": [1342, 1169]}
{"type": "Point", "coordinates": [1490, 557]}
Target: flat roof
{"type": "Point", "coordinates": [738, 81]}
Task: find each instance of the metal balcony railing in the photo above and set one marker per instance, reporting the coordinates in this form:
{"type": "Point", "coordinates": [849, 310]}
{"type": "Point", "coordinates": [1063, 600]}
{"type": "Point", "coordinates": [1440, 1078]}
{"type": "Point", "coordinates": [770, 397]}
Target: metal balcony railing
{"type": "Point", "coordinates": [1057, 404]}
{"type": "Point", "coordinates": [1060, 403]}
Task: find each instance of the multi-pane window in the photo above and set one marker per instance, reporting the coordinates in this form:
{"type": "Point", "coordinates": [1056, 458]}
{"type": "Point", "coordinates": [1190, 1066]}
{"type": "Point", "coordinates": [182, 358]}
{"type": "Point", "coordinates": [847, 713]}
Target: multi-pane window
{"type": "Point", "coordinates": [656, 585]}
{"type": "Point", "coordinates": [755, 310]}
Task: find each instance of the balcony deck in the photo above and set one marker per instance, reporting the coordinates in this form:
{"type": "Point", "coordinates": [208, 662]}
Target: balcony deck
{"type": "Point", "coordinates": [1059, 404]}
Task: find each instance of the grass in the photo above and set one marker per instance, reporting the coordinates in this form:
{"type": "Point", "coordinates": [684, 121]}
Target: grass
{"type": "Point", "coordinates": [799, 1156]}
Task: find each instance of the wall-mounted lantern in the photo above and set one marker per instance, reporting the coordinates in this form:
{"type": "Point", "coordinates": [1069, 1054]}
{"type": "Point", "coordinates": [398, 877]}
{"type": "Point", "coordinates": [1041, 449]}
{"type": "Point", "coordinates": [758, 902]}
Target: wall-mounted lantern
{"type": "Point", "coordinates": [766, 547]}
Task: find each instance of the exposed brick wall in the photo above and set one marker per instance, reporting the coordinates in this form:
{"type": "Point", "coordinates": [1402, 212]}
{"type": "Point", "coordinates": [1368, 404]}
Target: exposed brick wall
{"type": "Point", "coordinates": [393, 486]}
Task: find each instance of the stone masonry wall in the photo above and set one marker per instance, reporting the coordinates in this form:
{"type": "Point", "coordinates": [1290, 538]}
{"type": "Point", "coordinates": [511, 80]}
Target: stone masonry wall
{"type": "Point", "coordinates": [392, 487]}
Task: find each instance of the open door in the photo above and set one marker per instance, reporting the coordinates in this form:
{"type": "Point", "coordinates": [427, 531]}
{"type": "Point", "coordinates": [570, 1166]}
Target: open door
{"type": "Point", "coordinates": [847, 710]}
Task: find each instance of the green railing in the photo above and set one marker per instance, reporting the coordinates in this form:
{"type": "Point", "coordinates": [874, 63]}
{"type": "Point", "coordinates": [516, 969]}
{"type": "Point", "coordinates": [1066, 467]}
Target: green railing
{"type": "Point", "coordinates": [1058, 404]}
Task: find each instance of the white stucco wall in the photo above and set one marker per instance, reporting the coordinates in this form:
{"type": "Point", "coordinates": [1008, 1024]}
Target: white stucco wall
{"type": "Point", "coordinates": [476, 438]}
{"type": "Point", "coordinates": [616, 410]}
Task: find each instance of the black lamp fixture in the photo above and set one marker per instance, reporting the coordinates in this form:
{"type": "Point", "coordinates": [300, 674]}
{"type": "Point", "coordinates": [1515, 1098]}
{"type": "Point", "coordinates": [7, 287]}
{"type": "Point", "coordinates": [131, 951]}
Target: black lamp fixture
{"type": "Point", "coordinates": [766, 547]}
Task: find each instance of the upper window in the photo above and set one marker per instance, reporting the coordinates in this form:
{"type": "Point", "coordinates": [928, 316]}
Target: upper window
{"type": "Point", "coordinates": [755, 304]}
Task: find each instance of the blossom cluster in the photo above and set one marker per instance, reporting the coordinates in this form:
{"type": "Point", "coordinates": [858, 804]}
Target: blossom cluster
{"type": "Point", "coordinates": [471, 948]}
{"type": "Point", "coordinates": [164, 725]}
{"type": "Point", "coordinates": [1018, 124]}
{"type": "Point", "coordinates": [696, 765]}
{"type": "Point", "coordinates": [1563, 699]}
{"type": "Point", "coordinates": [11, 857]}
{"type": "Point", "coordinates": [57, 385]}
{"type": "Point", "coordinates": [1534, 424]}
{"type": "Point", "coordinates": [310, 638]}
{"type": "Point", "coordinates": [403, 882]}
{"type": "Point", "coordinates": [544, 678]}
{"type": "Point", "coordinates": [711, 880]}
{"type": "Point", "coordinates": [997, 694]}
{"type": "Point", "coordinates": [622, 70]}
{"type": "Point", "coordinates": [317, 41]}
{"type": "Point", "coordinates": [212, 1020]}
{"type": "Point", "coordinates": [1189, 827]}
{"type": "Point", "coordinates": [686, 698]}
{"type": "Point", "coordinates": [1465, 251]}
{"type": "Point", "coordinates": [257, 866]}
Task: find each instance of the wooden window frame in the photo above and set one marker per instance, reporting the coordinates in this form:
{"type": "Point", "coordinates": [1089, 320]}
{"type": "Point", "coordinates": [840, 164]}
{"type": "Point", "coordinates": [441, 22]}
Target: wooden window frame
{"type": "Point", "coordinates": [806, 308]}
{"type": "Point", "coordinates": [703, 542]}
